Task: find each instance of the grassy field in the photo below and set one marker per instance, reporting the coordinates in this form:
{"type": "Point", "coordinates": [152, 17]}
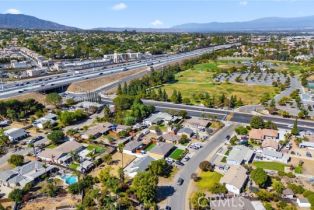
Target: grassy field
{"type": "Point", "coordinates": [177, 154]}
{"type": "Point", "coordinates": [270, 165]}
{"type": "Point", "coordinates": [200, 80]}
{"type": "Point", "coordinates": [208, 179]}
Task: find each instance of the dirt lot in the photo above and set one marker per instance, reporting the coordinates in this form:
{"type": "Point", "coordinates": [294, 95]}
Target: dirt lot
{"type": "Point", "coordinates": [307, 166]}
{"type": "Point", "coordinates": [52, 203]}
{"type": "Point", "coordinates": [37, 96]}
{"type": "Point", "coordinates": [116, 163]}
{"type": "Point", "coordinates": [92, 84]}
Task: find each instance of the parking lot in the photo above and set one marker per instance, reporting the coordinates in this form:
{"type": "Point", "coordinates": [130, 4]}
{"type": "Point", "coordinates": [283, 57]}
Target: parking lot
{"type": "Point", "coordinates": [263, 78]}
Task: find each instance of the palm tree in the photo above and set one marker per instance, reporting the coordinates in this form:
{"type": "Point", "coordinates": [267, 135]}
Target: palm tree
{"type": "Point", "coordinates": [120, 148]}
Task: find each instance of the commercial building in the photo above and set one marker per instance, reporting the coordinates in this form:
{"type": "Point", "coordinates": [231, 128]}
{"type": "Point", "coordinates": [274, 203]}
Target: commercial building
{"type": "Point", "coordinates": [80, 65]}
{"type": "Point", "coordinates": [36, 72]}
{"type": "Point", "coordinates": [124, 57]}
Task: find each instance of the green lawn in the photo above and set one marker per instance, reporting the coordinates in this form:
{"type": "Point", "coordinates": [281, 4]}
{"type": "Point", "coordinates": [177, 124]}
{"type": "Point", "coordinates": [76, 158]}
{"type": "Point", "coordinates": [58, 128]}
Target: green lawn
{"type": "Point", "coordinates": [98, 149]}
{"type": "Point", "coordinates": [207, 180]}
{"type": "Point", "coordinates": [199, 79]}
{"type": "Point", "coordinates": [177, 154]}
{"type": "Point", "coordinates": [74, 166]}
{"type": "Point", "coordinates": [270, 165]}
{"type": "Point", "coordinates": [150, 147]}
{"type": "Point", "coordinates": [298, 170]}
{"type": "Point", "coordinates": [51, 146]}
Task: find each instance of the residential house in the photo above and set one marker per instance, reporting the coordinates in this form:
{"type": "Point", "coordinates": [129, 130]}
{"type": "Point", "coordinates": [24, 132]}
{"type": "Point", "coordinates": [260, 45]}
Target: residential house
{"type": "Point", "coordinates": [239, 154]}
{"type": "Point", "coordinates": [161, 150]}
{"type": "Point", "coordinates": [133, 147]}
{"type": "Point", "coordinates": [303, 202]}
{"type": "Point", "coordinates": [271, 155]}
{"type": "Point", "coordinates": [30, 172]}
{"type": "Point", "coordinates": [119, 128]}
{"type": "Point", "coordinates": [16, 134]}
{"type": "Point", "coordinates": [235, 203]}
{"type": "Point", "coordinates": [97, 130]}
{"type": "Point", "coordinates": [263, 134]}
{"type": "Point", "coordinates": [4, 123]}
{"type": "Point", "coordinates": [61, 154]}
{"type": "Point", "coordinates": [270, 144]}
{"type": "Point", "coordinates": [85, 166]}
{"type": "Point", "coordinates": [196, 124]}
{"type": "Point", "coordinates": [185, 131]}
{"type": "Point", "coordinates": [235, 179]}
{"type": "Point", "coordinates": [49, 118]}
{"type": "Point", "coordinates": [306, 144]}
{"type": "Point", "coordinates": [171, 138]}
{"type": "Point", "coordinates": [138, 165]}
{"type": "Point", "coordinates": [158, 118]}
{"type": "Point", "coordinates": [287, 193]}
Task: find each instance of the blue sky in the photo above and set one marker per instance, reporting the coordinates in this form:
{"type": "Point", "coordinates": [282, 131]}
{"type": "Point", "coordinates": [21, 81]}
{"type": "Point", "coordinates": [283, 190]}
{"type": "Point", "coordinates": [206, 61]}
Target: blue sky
{"type": "Point", "coordinates": [154, 13]}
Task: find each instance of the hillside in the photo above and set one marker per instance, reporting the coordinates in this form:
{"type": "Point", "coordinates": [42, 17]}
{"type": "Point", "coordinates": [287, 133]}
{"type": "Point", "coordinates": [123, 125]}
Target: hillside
{"type": "Point", "coordinates": [20, 21]}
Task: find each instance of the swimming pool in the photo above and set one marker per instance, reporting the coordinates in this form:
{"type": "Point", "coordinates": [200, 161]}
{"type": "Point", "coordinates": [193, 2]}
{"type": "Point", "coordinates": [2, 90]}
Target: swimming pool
{"type": "Point", "coordinates": [69, 179]}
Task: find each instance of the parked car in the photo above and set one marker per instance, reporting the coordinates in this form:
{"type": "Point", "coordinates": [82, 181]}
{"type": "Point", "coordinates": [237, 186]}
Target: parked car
{"type": "Point", "coordinates": [180, 181]}
{"type": "Point", "coordinates": [179, 163]}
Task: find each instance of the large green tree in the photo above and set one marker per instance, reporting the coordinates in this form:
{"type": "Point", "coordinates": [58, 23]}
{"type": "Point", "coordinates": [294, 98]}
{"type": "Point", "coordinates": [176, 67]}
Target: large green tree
{"type": "Point", "coordinates": [160, 168]}
{"type": "Point", "coordinates": [56, 137]}
{"type": "Point", "coordinates": [260, 177]}
{"type": "Point", "coordinates": [295, 129]}
{"type": "Point", "coordinates": [53, 99]}
{"type": "Point", "coordinates": [257, 122]}
{"type": "Point", "coordinates": [16, 160]}
{"type": "Point", "coordinates": [145, 187]}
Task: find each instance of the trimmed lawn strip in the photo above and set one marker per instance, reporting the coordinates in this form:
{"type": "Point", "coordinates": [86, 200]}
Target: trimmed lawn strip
{"type": "Point", "coordinates": [177, 154]}
{"type": "Point", "coordinates": [74, 166]}
{"type": "Point", "coordinates": [150, 147]}
{"type": "Point", "coordinates": [270, 165]}
{"type": "Point", "coordinates": [207, 180]}
{"type": "Point", "coordinates": [98, 149]}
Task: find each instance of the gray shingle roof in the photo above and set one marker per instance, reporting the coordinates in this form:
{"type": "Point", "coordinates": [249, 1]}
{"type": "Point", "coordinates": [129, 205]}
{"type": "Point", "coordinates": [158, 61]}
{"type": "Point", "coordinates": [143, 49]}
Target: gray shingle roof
{"type": "Point", "coordinates": [162, 148]}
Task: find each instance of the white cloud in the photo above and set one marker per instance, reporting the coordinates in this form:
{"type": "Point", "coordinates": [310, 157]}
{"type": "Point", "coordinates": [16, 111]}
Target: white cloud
{"type": "Point", "coordinates": [243, 3]}
{"type": "Point", "coordinates": [119, 6]}
{"type": "Point", "coordinates": [13, 11]}
{"type": "Point", "coordinates": [157, 23]}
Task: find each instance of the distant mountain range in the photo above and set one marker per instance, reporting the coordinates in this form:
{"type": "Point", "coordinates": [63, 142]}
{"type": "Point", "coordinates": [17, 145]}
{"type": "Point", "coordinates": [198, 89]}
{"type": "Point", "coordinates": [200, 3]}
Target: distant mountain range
{"type": "Point", "coordinates": [264, 24]}
{"type": "Point", "coordinates": [20, 21]}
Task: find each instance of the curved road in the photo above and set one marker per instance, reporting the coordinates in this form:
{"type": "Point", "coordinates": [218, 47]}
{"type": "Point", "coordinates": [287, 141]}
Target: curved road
{"type": "Point", "coordinates": [178, 200]}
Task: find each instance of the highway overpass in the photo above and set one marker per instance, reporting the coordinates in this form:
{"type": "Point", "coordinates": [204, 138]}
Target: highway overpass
{"type": "Point", "coordinates": [62, 80]}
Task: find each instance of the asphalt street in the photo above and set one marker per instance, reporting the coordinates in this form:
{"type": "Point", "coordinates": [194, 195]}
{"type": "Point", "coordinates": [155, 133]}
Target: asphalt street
{"type": "Point", "coordinates": [177, 201]}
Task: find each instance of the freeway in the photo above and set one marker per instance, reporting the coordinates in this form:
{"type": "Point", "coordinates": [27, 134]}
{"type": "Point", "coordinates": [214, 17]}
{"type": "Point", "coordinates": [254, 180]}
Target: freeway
{"type": "Point", "coordinates": [178, 200]}
{"type": "Point", "coordinates": [45, 83]}
{"type": "Point", "coordinates": [238, 117]}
